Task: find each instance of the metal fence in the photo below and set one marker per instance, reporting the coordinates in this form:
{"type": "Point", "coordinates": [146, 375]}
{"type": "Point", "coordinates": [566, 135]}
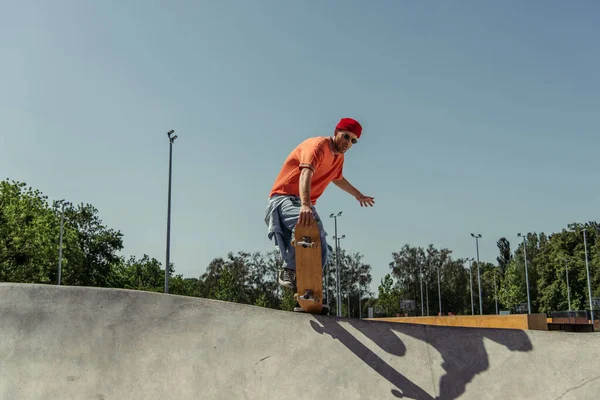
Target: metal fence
{"type": "Point", "coordinates": [573, 317]}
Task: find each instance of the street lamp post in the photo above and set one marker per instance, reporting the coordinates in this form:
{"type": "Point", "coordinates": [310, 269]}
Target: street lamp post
{"type": "Point", "coordinates": [359, 303]}
{"type": "Point", "coordinates": [439, 288]}
{"type": "Point", "coordinates": [167, 265]}
{"type": "Point", "coordinates": [470, 261]}
{"type": "Point", "coordinates": [588, 277]}
{"type": "Point", "coordinates": [568, 288]}
{"type": "Point", "coordinates": [421, 273]}
{"type": "Point", "coordinates": [477, 236]}
{"type": "Point", "coordinates": [526, 271]}
{"type": "Point", "coordinates": [495, 291]}
{"type": "Point", "coordinates": [427, 297]}
{"type": "Point", "coordinates": [337, 266]}
{"type": "Point", "coordinates": [60, 246]}
{"type": "Point", "coordinates": [339, 247]}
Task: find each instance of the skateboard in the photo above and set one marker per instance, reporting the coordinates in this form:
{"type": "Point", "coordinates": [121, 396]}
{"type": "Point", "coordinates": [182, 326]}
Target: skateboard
{"type": "Point", "coordinates": [309, 271]}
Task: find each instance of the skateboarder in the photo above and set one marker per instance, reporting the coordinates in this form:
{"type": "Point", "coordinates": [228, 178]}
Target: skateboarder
{"type": "Point", "coordinates": [304, 176]}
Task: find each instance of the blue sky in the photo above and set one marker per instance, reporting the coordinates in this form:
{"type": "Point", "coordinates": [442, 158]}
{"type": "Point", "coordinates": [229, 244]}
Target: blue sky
{"type": "Point", "coordinates": [478, 116]}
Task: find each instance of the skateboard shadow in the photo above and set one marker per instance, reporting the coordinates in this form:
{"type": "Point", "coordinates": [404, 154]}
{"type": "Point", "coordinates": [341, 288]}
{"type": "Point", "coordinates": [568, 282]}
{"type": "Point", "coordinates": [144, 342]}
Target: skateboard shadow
{"type": "Point", "coordinates": [462, 350]}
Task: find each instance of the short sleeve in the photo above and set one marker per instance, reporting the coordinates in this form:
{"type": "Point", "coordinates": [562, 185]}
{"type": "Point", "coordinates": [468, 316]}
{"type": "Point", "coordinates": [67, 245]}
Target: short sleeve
{"type": "Point", "coordinates": [311, 156]}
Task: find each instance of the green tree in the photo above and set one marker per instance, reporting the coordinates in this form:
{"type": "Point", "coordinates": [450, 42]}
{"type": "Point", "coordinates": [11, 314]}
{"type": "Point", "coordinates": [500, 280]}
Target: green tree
{"type": "Point", "coordinates": [287, 300]}
{"type": "Point", "coordinates": [489, 291]}
{"type": "Point", "coordinates": [29, 233]}
{"type": "Point", "coordinates": [262, 278]}
{"type": "Point", "coordinates": [455, 287]}
{"type": "Point", "coordinates": [185, 286]}
{"type": "Point", "coordinates": [388, 301]}
{"type": "Point", "coordinates": [228, 287]}
{"type": "Point", "coordinates": [210, 277]}
{"type": "Point", "coordinates": [512, 291]}
{"type": "Point", "coordinates": [355, 280]}
{"type": "Point", "coordinates": [262, 301]}
{"type": "Point", "coordinates": [407, 266]}
{"type": "Point", "coordinates": [90, 248]}
{"type": "Point", "coordinates": [561, 250]}
{"type": "Point", "coordinates": [140, 274]}
{"type": "Point", "coordinates": [438, 271]}
{"type": "Point", "coordinates": [505, 254]}
{"type": "Point", "coordinates": [232, 278]}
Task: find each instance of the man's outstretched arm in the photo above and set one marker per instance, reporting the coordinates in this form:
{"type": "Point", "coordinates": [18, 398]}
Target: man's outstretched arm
{"type": "Point", "coordinates": [306, 217]}
{"type": "Point", "coordinates": [346, 186]}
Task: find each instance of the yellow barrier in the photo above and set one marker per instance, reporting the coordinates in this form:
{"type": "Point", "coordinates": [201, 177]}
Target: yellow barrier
{"type": "Point", "coordinates": [511, 321]}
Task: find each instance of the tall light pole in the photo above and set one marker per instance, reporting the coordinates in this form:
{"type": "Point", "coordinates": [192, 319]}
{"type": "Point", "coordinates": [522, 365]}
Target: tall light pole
{"type": "Point", "coordinates": [588, 276]}
{"type": "Point", "coordinates": [421, 277]}
{"type": "Point", "coordinates": [167, 265]}
{"type": "Point", "coordinates": [60, 246]}
{"type": "Point", "coordinates": [477, 236]}
{"type": "Point", "coordinates": [339, 247]}
{"type": "Point", "coordinates": [566, 260]}
{"type": "Point", "coordinates": [526, 270]}
{"type": "Point", "coordinates": [422, 305]}
{"type": "Point", "coordinates": [337, 267]}
{"type": "Point", "coordinates": [470, 261]}
{"type": "Point", "coordinates": [427, 297]}
{"type": "Point", "coordinates": [495, 291]}
{"type": "Point", "coordinates": [439, 288]}
{"type": "Point", "coordinates": [359, 303]}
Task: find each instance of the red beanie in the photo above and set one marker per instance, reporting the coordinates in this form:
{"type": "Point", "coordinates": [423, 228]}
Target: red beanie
{"type": "Point", "coordinates": [349, 124]}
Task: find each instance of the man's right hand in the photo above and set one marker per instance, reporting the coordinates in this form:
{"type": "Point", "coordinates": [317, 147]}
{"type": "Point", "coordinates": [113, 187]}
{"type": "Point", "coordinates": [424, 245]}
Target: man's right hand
{"type": "Point", "coordinates": [307, 217]}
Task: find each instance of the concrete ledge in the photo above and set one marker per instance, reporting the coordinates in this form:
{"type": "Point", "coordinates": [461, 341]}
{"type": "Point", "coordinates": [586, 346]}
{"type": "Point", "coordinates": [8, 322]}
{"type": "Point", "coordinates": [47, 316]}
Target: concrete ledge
{"type": "Point", "coordinates": [512, 321]}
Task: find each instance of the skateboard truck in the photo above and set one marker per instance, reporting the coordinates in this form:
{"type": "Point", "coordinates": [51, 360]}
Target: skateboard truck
{"type": "Point", "coordinates": [308, 295]}
{"type": "Point", "coordinates": [305, 242]}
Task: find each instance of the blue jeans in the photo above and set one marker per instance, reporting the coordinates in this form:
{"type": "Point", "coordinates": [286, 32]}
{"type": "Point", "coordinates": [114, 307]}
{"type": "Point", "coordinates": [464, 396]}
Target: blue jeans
{"type": "Point", "coordinates": [285, 216]}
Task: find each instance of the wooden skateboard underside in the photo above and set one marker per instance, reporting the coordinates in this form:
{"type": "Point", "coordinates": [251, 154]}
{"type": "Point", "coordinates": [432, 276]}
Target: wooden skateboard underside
{"type": "Point", "coordinates": [309, 272]}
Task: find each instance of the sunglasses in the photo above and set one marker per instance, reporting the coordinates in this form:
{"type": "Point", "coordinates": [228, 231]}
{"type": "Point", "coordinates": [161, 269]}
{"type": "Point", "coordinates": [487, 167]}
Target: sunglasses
{"type": "Point", "coordinates": [347, 137]}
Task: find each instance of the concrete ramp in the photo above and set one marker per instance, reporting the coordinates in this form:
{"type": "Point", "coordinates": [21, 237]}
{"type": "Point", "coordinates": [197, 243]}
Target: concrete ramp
{"type": "Point", "coordinates": [104, 344]}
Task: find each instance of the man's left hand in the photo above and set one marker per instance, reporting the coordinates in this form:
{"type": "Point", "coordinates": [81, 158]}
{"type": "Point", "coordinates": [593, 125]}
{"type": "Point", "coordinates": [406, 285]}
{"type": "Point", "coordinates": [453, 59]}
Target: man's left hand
{"type": "Point", "coordinates": [365, 200]}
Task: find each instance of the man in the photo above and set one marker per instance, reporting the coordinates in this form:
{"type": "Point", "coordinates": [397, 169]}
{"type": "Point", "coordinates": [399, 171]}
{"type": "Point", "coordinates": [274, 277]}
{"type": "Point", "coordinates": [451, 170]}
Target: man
{"type": "Point", "coordinates": [304, 176]}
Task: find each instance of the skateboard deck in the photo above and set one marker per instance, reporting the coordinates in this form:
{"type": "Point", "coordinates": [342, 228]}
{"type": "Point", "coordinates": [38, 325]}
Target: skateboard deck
{"type": "Point", "coordinates": [309, 272]}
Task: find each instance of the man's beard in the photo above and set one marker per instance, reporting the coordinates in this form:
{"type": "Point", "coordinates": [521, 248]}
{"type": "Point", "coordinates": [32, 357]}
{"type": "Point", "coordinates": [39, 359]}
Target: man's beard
{"type": "Point", "coordinates": [339, 148]}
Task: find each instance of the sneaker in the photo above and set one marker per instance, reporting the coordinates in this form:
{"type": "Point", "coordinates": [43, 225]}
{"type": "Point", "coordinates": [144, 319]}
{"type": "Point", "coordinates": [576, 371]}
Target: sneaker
{"type": "Point", "coordinates": [324, 309]}
{"type": "Point", "coordinates": [287, 278]}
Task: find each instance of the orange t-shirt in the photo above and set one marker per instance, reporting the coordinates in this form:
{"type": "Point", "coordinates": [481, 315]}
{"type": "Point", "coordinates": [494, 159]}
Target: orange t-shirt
{"type": "Point", "coordinates": [315, 153]}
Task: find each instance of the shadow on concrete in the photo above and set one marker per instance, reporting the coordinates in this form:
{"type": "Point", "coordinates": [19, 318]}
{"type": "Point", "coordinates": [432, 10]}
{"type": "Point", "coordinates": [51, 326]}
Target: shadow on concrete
{"type": "Point", "coordinates": [462, 350]}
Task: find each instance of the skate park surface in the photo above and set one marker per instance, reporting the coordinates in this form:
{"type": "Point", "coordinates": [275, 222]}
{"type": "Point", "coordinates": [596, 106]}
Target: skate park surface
{"type": "Point", "coordinates": [60, 342]}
